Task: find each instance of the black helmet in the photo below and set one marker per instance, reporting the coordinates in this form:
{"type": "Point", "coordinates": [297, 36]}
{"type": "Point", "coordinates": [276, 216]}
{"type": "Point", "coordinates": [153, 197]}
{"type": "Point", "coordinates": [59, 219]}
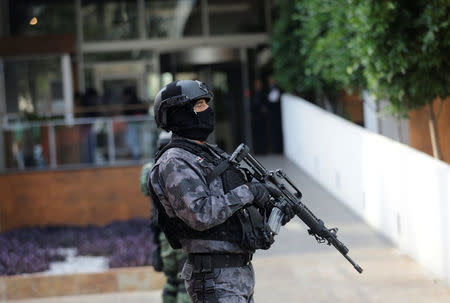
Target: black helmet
{"type": "Point", "coordinates": [177, 94]}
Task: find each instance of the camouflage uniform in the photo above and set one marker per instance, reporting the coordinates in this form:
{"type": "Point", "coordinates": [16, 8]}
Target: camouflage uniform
{"type": "Point", "coordinates": [183, 191]}
{"type": "Point", "coordinates": [174, 290]}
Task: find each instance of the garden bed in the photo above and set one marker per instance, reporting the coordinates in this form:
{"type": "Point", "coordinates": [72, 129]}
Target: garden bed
{"type": "Point", "coordinates": [34, 249]}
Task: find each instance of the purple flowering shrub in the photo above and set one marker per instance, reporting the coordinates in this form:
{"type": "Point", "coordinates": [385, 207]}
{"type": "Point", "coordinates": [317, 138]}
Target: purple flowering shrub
{"type": "Point", "coordinates": [29, 250]}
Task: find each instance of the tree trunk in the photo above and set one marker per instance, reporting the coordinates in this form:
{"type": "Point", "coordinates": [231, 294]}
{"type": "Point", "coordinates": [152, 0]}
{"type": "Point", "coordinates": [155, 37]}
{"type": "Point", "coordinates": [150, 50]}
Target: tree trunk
{"type": "Point", "coordinates": [432, 124]}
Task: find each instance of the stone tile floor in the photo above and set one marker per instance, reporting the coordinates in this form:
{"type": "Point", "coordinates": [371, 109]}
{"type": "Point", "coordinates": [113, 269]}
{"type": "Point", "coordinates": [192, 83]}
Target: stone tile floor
{"type": "Point", "coordinates": [297, 269]}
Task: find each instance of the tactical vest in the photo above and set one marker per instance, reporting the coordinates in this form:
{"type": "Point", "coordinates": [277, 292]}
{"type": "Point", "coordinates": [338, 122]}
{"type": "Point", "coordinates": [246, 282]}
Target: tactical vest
{"type": "Point", "coordinates": [247, 227]}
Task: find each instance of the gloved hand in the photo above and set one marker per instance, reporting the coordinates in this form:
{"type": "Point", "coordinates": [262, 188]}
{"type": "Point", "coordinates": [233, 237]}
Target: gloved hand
{"type": "Point", "coordinates": [273, 191]}
{"type": "Point", "coordinates": [289, 213]}
{"type": "Point", "coordinates": [261, 196]}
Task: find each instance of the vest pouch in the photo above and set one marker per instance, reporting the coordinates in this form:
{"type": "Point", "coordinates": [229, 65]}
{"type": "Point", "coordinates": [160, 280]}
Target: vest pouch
{"type": "Point", "coordinates": [256, 233]}
{"type": "Point", "coordinates": [232, 178]}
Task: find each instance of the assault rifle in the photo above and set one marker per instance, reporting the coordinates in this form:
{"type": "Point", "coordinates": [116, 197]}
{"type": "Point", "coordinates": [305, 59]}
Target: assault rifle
{"type": "Point", "coordinates": [289, 197]}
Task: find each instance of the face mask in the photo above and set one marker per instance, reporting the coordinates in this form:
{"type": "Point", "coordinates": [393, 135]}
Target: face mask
{"type": "Point", "coordinates": [192, 125]}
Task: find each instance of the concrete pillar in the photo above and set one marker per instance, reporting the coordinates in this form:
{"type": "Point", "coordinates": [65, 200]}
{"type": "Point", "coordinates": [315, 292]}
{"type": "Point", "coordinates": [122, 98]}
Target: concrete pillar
{"type": "Point", "coordinates": [67, 88]}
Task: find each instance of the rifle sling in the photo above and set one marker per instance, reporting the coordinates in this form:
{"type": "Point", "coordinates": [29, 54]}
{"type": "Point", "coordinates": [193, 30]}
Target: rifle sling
{"type": "Point", "coordinates": [219, 170]}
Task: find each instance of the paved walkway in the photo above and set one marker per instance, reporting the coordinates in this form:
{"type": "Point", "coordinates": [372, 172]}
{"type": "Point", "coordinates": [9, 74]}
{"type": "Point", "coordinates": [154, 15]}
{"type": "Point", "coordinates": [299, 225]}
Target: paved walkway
{"type": "Point", "coordinates": [297, 269]}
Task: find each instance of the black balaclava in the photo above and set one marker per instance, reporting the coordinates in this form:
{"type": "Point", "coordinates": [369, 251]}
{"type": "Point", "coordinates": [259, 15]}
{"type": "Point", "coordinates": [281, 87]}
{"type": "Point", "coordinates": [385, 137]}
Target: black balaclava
{"type": "Point", "coordinates": [186, 123]}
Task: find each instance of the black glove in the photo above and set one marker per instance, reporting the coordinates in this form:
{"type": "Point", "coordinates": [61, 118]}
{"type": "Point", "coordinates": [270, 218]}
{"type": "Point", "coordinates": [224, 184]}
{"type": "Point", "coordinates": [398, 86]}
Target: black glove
{"type": "Point", "coordinates": [273, 191]}
{"type": "Point", "coordinates": [261, 196]}
{"type": "Point", "coordinates": [289, 213]}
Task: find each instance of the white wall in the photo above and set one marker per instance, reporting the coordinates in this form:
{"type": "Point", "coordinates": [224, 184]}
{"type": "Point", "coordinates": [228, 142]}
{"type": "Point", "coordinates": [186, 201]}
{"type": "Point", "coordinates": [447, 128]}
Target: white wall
{"type": "Point", "coordinates": [403, 193]}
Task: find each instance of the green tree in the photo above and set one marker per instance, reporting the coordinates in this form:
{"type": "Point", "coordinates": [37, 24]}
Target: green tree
{"type": "Point", "coordinates": [404, 47]}
{"type": "Point", "coordinates": [288, 61]}
{"type": "Point", "coordinates": [397, 49]}
{"type": "Point", "coordinates": [325, 34]}
{"type": "Point", "coordinates": [310, 49]}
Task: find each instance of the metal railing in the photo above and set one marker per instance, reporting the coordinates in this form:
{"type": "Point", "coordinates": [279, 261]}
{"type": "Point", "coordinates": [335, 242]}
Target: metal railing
{"type": "Point", "coordinates": [87, 142]}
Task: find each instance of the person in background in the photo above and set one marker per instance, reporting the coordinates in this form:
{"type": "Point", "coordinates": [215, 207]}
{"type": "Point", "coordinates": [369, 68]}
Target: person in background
{"type": "Point", "coordinates": [164, 257]}
{"type": "Point", "coordinates": [258, 117]}
{"type": "Point", "coordinates": [274, 116]}
{"type": "Point", "coordinates": [90, 103]}
{"type": "Point", "coordinates": [132, 104]}
{"type": "Point", "coordinates": [88, 109]}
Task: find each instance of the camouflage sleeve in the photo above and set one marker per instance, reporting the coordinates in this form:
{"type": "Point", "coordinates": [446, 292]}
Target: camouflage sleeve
{"type": "Point", "coordinates": [192, 200]}
{"type": "Point", "coordinates": [143, 178]}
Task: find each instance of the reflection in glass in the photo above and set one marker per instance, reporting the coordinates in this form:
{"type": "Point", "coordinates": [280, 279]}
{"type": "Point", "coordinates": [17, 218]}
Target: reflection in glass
{"type": "Point", "coordinates": [26, 148]}
{"type": "Point", "coordinates": [41, 17]}
{"type": "Point", "coordinates": [173, 18]}
{"type": "Point", "coordinates": [134, 140]}
{"type": "Point", "coordinates": [34, 87]}
{"type": "Point", "coordinates": [109, 20]}
{"type": "Point", "coordinates": [99, 143]}
{"type": "Point", "coordinates": [82, 144]}
{"type": "Point", "coordinates": [68, 140]}
{"type": "Point", "coordinates": [236, 16]}
{"type": "Point", "coordinates": [92, 142]}
{"type": "Point", "coordinates": [122, 86]}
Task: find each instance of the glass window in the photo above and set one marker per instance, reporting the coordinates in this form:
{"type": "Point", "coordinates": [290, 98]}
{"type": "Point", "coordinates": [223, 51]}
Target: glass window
{"type": "Point", "coordinates": [173, 18]}
{"type": "Point", "coordinates": [117, 56]}
{"type": "Point", "coordinates": [112, 74]}
{"type": "Point", "coordinates": [109, 20]}
{"type": "Point", "coordinates": [26, 147]}
{"type": "Point", "coordinates": [34, 87]}
{"type": "Point", "coordinates": [233, 17]}
{"type": "Point", "coordinates": [82, 144]}
{"type": "Point", "coordinates": [40, 17]}
{"type": "Point", "coordinates": [134, 140]}
{"type": "Point", "coordinates": [118, 81]}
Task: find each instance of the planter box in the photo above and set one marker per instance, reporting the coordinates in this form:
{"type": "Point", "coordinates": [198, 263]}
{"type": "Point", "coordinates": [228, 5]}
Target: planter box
{"type": "Point", "coordinates": [114, 280]}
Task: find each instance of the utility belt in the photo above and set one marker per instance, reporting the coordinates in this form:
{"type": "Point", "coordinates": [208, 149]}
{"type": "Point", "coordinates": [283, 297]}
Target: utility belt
{"type": "Point", "coordinates": [200, 268]}
{"type": "Point", "coordinates": [208, 262]}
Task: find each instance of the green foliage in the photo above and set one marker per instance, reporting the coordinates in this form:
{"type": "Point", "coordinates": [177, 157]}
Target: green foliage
{"type": "Point", "coordinates": [310, 47]}
{"type": "Point", "coordinates": [325, 35]}
{"type": "Point", "coordinates": [286, 45]}
{"type": "Point", "coordinates": [397, 49]}
{"type": "Point", "coordinates": [404, 47]}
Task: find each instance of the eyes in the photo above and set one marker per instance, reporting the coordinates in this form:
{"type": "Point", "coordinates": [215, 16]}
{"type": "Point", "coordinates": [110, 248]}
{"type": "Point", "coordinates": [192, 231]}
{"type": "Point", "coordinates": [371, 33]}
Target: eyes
{"type": "Point", "coordinates": [200, 105]}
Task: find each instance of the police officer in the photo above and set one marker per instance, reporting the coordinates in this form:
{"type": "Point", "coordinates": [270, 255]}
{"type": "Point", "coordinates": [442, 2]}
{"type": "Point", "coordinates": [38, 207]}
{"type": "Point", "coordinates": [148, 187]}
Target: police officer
{"type": "Point", "coordinates": [204, 204]}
